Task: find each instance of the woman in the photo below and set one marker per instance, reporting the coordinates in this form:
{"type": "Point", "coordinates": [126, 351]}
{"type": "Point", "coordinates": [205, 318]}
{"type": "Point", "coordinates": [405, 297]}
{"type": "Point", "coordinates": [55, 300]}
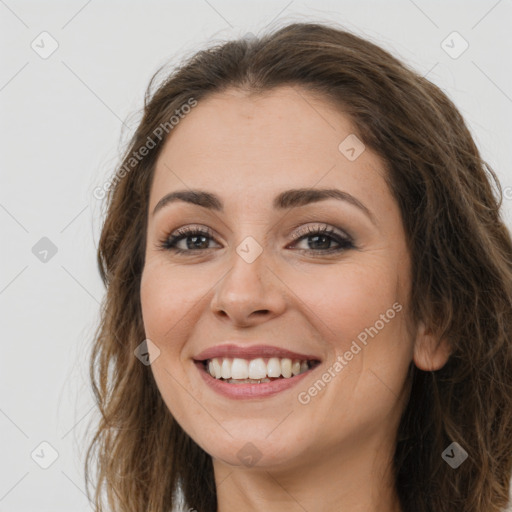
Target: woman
{"type": "Point", "coordinates": [309, 291]}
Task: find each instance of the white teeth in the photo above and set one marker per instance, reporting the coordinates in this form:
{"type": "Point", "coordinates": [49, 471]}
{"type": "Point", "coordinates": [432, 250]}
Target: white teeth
{"type": "Point", "coordinates": [274, 367]}
{"type": "Point", "coordinates": [240, 371]}
{"type": "Point", "coordinates": [248, 381]}
{"type": "Point", "coordinates": [226, 369]}
{"type": "Point", "coordinates": [286, 368]}
{"type": "Point", "coordinates": [257, 369]}
{"type": "Point", "coordinates": [217, 369]}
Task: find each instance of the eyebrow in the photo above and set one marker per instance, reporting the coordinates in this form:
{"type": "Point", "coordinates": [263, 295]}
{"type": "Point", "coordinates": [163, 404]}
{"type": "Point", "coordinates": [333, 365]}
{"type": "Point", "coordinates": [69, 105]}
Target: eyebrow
{"type": "Point", "coordinates": [287, 199]}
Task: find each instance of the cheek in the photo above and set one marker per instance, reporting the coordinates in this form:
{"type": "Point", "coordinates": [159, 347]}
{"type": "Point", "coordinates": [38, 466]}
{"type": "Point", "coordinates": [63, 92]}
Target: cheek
{"type": "Point", "coordinates": [155, 303]}
{"type": "Point", "coordinates": [343, 301]}
{"type": "Point", "coordinates": [359, 311]}
{"type": "Point", "coordinates": [166, 309]}
{"type": "Point", "coordinates": [167, 296]}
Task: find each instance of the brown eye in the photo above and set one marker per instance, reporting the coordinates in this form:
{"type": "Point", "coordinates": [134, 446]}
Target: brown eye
{"type": "Point", "coordinates": [320, 240]}
{"type": "Point", "coordinates": [194, 240]}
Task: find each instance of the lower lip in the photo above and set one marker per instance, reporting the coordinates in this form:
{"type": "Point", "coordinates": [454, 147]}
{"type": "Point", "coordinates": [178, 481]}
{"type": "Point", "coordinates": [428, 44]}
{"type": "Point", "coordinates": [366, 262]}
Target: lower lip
{"type": "Point", "coordinates": [245, 391]}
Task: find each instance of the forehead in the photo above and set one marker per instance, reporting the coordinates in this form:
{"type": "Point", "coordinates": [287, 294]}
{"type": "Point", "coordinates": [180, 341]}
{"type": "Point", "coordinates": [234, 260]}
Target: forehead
{"type": "Point", "coordinates": [251, 146]}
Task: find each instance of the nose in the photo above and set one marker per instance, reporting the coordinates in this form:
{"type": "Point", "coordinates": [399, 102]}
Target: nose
{"type": "Point", "coordinates": [249, 293]}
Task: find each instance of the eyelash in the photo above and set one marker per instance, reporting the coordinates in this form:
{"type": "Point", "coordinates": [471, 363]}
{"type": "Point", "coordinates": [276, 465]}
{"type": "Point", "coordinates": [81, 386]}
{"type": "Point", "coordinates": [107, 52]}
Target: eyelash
{"type": "Point", "coordinates": [169, 243]}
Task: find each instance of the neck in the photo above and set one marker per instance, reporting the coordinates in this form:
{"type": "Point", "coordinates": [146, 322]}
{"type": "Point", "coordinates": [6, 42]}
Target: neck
{"type": "Point", "coordinates": [347, 480]}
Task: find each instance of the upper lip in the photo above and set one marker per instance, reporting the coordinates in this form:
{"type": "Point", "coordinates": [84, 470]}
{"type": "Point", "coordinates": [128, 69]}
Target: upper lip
{"type": "Point", "coordinates": [251, 352]}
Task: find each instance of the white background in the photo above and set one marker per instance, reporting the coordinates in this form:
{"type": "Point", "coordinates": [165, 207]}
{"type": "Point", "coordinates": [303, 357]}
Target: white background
{"type": "Point", "coordinates": [60, 124]}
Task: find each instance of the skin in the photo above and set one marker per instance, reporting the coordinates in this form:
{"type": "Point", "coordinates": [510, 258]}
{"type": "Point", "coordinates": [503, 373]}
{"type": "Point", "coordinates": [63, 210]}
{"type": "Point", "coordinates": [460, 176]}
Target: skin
{"type": "Point", "coordinates": [334, 452]}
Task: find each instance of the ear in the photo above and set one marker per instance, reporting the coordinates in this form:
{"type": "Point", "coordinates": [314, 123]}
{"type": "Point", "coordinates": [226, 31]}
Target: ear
{"type": "Point", "coordinates": [430, 353]}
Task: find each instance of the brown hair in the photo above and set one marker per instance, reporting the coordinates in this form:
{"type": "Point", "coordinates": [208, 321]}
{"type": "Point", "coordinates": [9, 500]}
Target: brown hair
{"type": "Point", "coordinates": [461, 254]}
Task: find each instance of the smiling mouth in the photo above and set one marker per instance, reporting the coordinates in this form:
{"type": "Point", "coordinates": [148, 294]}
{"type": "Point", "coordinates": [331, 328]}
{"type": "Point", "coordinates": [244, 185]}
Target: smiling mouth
{"type": "Point", "coordinates": [255, 371]}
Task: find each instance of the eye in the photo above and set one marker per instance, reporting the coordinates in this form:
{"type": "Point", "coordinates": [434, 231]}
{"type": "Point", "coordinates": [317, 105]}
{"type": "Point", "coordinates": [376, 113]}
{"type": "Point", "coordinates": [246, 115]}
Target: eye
{"type": "Point", "coordinates": [319, 240]}
{"type": "Point", "coordinates": [194, 238]}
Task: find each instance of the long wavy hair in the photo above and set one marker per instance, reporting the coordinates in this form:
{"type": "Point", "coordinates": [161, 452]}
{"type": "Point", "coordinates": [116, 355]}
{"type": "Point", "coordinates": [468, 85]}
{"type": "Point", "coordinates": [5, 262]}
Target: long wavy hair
{"type": "Point", "coordinates": [461, 253]}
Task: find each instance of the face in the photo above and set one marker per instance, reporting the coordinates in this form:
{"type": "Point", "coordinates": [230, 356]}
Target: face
{"type": "Point", "coordinates": [325, 278]}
